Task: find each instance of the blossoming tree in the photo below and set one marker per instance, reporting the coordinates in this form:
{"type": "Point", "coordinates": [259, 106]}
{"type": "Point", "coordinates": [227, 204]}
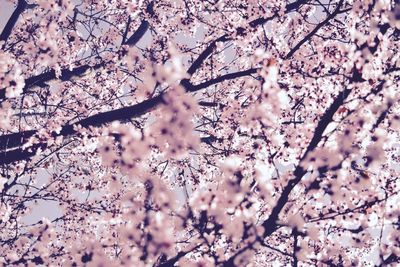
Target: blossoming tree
{"type": "Point", "coordinates": [200, 133]}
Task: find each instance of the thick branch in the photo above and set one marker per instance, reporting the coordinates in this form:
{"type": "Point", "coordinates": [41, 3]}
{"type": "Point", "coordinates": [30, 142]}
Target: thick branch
{"type": "Point", "coordinates": [271, 223]}
{"type": "Point", "coordinates": [15, 140]}
{"type": "Point", "coordinates": [138, 34]}
{"type": "Point", "coordinates": [393, 258]}
{"type": "Point", "coordinates": [5, 34]}
{"type": "Point", "coordinates": [67, 74]}
{"type": "Point", "coordinates": [48, 76]}
{"type": "Point", "coordinates": [7, 157]}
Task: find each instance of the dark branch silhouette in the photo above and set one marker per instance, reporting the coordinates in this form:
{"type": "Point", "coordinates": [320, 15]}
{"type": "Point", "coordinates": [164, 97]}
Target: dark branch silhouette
{"type": "Point", "coordinates": [315, 30]}
{"type": "Point", "coordinates": [9, 141]}
{"type": "Point", "coordinates": [138, 34]}
{"type": "Point", "coordinates": [5, 34]}
{"type": "Point", "coordinates": [67, 74]}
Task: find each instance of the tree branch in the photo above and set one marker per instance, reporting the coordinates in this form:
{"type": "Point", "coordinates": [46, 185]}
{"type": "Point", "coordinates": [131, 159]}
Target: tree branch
{"type": "Point", "coordinates": [230, 76]}
{"type": "Point", "coordinates": [224, 38]}
{"type": "Point", "coordinates": [67, 74]}
{"type": "Point", "coordinates": [314, 31]}
{"type": "Point", "coordinates": [175, 259]}
{"type": "Point", "coordinates": [48, 76]}
{"type": "Point", "coordinates": [5, 34]}
{"type": "Point", "coordinates": [289, 8]}
{"type": "Point", "coordinates": [10, 141]}
{"type": "Point", "coordinates": [271, 223]}
{"type": "Point", "coordinates": [138, 34]}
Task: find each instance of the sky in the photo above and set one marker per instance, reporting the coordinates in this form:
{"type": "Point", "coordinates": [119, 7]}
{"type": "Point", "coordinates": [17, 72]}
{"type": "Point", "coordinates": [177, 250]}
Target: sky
{"type": "Point", "coordinates": [6, 9]}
